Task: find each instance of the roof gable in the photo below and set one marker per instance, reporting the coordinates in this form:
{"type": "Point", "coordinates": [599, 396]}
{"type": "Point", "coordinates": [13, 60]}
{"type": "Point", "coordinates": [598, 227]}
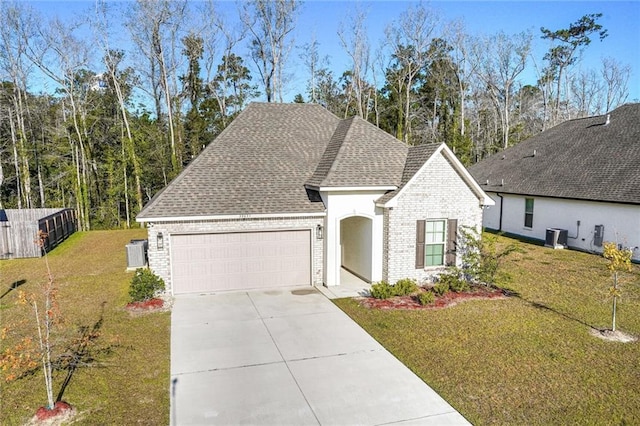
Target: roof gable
{"type": "Point", "coordinates": [360, 155]}
{"type": "Point", "coordinates": [418, 159]}
{"type": "Point", "coordinates": [578, 159]}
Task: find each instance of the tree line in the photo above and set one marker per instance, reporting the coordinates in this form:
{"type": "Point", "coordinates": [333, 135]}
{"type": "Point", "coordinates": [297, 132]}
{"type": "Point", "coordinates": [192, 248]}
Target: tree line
{"type": "Point", "coordinates": [118, 125]}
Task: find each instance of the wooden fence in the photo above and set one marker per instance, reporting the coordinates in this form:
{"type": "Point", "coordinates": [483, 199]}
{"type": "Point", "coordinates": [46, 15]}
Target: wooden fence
{"type": "Point", "coordinates": [19, 230]}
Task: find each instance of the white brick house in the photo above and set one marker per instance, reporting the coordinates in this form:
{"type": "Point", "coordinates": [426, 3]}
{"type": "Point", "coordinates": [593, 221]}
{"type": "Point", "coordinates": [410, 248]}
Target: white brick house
{"type": "Point", "coordinates": [290, 194]}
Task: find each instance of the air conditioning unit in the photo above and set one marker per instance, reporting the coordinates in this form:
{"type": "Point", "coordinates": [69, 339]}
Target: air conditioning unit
{"type": "Point", "coordinates": [556, 238]}
{"type": "Point", "coordinates": [137, 254]}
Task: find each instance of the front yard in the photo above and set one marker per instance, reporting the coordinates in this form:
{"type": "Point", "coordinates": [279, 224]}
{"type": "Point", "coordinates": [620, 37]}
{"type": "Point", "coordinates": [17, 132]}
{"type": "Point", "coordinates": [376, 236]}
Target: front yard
{"type": "Point", "coordinates": [123, 375]}
{"type": "Point", "coordinates": [529, 358]}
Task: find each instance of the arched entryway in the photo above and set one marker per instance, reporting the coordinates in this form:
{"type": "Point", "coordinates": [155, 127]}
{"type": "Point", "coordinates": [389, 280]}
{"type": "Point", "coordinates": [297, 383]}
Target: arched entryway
{"type": "Point", "coordinates": [356, 246]}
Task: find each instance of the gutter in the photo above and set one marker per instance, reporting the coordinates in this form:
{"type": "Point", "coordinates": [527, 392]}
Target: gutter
{"type": "Point", "coordinates": [500, 219]}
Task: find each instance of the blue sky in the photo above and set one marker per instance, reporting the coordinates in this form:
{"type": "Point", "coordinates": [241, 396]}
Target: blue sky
{"type": "Point", "coordinates": [620, 18]}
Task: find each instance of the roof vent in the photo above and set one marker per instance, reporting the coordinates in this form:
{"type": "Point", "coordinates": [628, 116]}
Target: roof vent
{"type": "Point", "coordinates": [534, 152]}
{"type": "Point", "coordinates": [501, 182]}
{"type": "Point", "coordinates": [487, 182]}
{"type": "Point", "coordinates": [608, 120]}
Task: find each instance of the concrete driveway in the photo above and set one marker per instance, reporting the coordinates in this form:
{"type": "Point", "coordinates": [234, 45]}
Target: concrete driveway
{"type": "Point", "coordinates": [288, 357]}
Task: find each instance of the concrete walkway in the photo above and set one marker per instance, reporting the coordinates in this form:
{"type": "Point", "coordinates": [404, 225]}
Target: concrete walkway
{"type": "Point", "coordinates": [288, 357]}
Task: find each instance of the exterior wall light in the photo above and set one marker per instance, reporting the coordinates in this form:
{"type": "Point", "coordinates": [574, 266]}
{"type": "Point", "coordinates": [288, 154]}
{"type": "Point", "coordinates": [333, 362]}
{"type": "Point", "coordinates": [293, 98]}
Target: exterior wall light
{"type": "Point", "coordinates": [319, 232]}
{"type": "Point", "coordinates": [160, 241]}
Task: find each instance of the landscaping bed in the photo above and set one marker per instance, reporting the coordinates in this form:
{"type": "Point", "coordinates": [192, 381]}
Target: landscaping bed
{"type": "Point", "coordinates": [479, 292]}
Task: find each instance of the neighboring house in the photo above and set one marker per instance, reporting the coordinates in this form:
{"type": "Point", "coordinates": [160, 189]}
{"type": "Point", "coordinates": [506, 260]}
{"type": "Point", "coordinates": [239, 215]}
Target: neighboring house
{"type": "Point", "coordinates": [289, 194]}
{"type": "Point", "coordinates": [582, 176]}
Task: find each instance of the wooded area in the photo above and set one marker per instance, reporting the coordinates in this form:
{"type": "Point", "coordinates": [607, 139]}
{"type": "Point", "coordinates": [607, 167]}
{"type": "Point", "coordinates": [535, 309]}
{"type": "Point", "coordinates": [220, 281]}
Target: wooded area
{"type": "Point", "coordinates": [121, 123]}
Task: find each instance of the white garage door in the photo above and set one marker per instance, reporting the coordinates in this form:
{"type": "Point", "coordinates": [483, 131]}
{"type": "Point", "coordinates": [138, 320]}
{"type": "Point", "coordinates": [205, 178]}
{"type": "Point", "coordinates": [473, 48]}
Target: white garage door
{"type": "Point", "coordinates": [240, 261]}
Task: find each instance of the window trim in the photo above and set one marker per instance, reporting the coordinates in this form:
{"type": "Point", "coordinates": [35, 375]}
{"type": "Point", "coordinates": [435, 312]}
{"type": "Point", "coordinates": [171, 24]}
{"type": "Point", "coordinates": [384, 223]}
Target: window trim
{"type": "Point", "coordinates": [528, 214]}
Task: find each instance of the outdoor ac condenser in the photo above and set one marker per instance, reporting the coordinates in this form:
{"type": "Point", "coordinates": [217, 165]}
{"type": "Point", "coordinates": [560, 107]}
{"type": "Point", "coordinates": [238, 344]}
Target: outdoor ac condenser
{"type": "Point", "coordinates": [136, 254]}
{"type": "Point", "coordinates": [556, 238]}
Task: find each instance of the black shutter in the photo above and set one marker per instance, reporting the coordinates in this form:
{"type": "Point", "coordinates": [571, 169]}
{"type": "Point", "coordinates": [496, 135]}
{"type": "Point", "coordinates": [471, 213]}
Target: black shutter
{"type": "Point", "coordinates": [452, 243]}
{"type": "Point", "coordinates": [420, 225]}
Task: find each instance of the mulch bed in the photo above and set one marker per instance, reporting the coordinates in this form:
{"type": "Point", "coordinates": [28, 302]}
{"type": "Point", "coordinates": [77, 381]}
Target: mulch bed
{"type": "Point", "coordinates": [48, 416]}
{"type": "Point", "coordinates": [145, 306]}
{"type": "Point", "coordinates": [448, 299]}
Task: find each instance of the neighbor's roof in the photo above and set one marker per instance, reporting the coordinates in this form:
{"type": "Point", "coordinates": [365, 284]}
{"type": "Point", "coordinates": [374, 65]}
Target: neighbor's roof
{"type": "Point", "coordinates": [360, 155]}
{"type": "Point", "coordinates": [583, 159]}
{"type": "Point", "coordinates": [261, 163]}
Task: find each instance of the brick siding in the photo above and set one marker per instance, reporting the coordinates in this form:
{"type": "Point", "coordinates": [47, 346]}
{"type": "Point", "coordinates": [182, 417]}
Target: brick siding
{"type": "Point", "coordinates": [438, 192]}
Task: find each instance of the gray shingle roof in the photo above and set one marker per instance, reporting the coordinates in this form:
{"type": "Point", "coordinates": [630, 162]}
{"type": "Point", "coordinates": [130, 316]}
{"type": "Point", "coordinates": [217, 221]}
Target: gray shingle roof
{"type": "Point", "coordinates": [262, 161]}
{"type": "Point", "coordinates": [257, 165]}
{"type": "Point", "coordinates": [359, 154]}
{"type": "Point", "coordinates": [579, 159]}
{"type": "Point", "coordinates": [416, 157]}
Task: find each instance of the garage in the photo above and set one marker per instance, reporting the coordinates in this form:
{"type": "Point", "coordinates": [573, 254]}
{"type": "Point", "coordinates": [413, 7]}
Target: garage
{"type": "Point", "coordinates": [203, 263]}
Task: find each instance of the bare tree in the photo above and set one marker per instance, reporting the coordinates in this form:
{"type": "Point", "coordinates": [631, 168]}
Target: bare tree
{"type": "Point", "coordinates": [502, 59]}
{"type": "Point", "coordinates": [356, 44]}
{"type": "Point", "coordinates": [410, 39]}
{"type": "Point", "coordinates": [112, 60]}
{"type": "Point", "coordinates": [155, 29]}
{"type": "Point", "coordinates": [270, 24]}
{"type": "Point", "coordinates": [616, 82]}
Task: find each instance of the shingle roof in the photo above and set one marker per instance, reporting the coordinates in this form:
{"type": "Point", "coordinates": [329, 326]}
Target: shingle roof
{"type": "Point", "coordinates": [359, 154]}
{"type": "Point", "coordinates": [262, 161]}
{"type": "Point", "coordinates": [416, 157]}
{"type": "Point", "coordinates": [579, 159]}
{"type": "Point", "coordinates": [257, 165]}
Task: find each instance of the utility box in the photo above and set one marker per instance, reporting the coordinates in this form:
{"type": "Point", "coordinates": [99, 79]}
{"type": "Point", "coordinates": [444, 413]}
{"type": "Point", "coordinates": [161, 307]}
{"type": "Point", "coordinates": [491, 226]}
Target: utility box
{"type": "Point", "coordinates": [137, 254]}
{"type": "Point", "coordinates": [598, 235]}
{"type": "Point", "coordinates": [556, 238]}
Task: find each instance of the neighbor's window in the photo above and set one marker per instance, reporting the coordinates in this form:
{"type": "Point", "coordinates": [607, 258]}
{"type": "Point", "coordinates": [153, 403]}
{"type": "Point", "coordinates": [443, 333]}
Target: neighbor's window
{"type": "Point", "coordinates": [528, 212]}
{"type": "Point", "coordinates": [435, 237]}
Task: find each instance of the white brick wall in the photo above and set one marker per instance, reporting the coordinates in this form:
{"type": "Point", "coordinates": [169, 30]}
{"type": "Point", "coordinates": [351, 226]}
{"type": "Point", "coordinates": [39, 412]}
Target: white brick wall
{"type": "Point", "coordinates": [437, 192]}
{"type": "Point", "coordinates": [159, 260]}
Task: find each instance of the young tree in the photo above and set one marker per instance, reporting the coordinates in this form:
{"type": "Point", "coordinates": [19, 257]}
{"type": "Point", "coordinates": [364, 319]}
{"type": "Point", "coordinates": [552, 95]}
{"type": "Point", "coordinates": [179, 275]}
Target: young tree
{"type": "Point", "coordinates": [619, 261]}
{"type": "Point", "coordinates": [567, 44]}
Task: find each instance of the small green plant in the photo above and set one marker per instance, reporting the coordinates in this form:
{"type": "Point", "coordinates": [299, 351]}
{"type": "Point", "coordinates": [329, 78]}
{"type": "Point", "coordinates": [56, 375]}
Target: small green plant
{"type": "Point", "coordinates": [455, 279]}
{"type": "Point", "coordinates": [426, 298]}
{"type": "Point", "coordinates": [382, 290]}
{"type": "Point", "coordinates": [405, 286]}
{"type": "Point", "coordinates": [145, 285]}
{"type": "Point", "coordinates": [440, 288]}
{"type": "Point", "coordinates": [481, 258]}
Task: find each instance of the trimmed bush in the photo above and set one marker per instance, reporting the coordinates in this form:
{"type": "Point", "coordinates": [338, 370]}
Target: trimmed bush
{"type": "Point", "coordinates": [441, 288]}
{"type": "Point", "coordinates": [145, 285]}
{"type": "Point", "coordinates": [405, 287]}
{"type": "Point", "coordinates": [455, 280]}
{"type": "Point", "coordinates": [382, 290]}
{"type": "Point", "coordinates": [426, 298]}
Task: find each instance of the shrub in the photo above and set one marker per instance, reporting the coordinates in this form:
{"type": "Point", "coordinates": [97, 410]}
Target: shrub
{"type": "Point", "coordinates": [145, 285]}
{"type": "Point", "coordinates": [405, 286]}
{"type": "Point", "coordinates": [426, 298]}
{"type": "Point", "coordinates": [382, 290]}
{"type": "Point", "coordinates": [455, 280]}
{"type": "Point", "coordinates": [441, 288]}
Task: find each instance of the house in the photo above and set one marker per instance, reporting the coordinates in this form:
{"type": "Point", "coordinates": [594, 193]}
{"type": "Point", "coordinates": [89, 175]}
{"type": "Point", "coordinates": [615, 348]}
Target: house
{"type": "Point", "coordinates": [581, 177]}
{"type": "Point", "coordinates": [288, 194]}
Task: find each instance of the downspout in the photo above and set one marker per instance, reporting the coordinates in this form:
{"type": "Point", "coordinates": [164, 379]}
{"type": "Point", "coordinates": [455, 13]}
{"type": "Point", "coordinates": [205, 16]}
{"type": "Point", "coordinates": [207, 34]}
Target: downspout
{"type": "Point", "coordinates": [500, 218]}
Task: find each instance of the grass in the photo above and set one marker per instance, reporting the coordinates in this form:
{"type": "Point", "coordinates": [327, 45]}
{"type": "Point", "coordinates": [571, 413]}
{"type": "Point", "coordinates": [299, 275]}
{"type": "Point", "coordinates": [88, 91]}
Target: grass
{"type": "Point", "coordinates": [527, 359]}
{"type": "Point", "coordinates": [126, 378]}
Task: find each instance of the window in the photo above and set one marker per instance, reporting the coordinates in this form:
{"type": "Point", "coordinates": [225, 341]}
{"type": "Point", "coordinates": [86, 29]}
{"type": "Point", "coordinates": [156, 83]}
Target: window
{"type": "Point", "coordinates": [435, 239]}
{"type": "Point", "coordinates": [528, 212]}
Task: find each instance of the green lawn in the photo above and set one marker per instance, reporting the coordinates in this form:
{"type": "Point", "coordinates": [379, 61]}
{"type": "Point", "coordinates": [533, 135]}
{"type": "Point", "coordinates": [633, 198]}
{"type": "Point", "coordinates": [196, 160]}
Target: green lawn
{"type": "Point", "coordinates": [527, 359]}
{"type": "Point", "coordinates": [127, 381]}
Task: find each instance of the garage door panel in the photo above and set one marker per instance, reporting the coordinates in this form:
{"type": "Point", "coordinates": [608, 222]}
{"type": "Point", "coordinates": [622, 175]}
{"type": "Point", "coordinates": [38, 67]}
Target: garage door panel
{"type": "Point", "coordinates": [236, 261]}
